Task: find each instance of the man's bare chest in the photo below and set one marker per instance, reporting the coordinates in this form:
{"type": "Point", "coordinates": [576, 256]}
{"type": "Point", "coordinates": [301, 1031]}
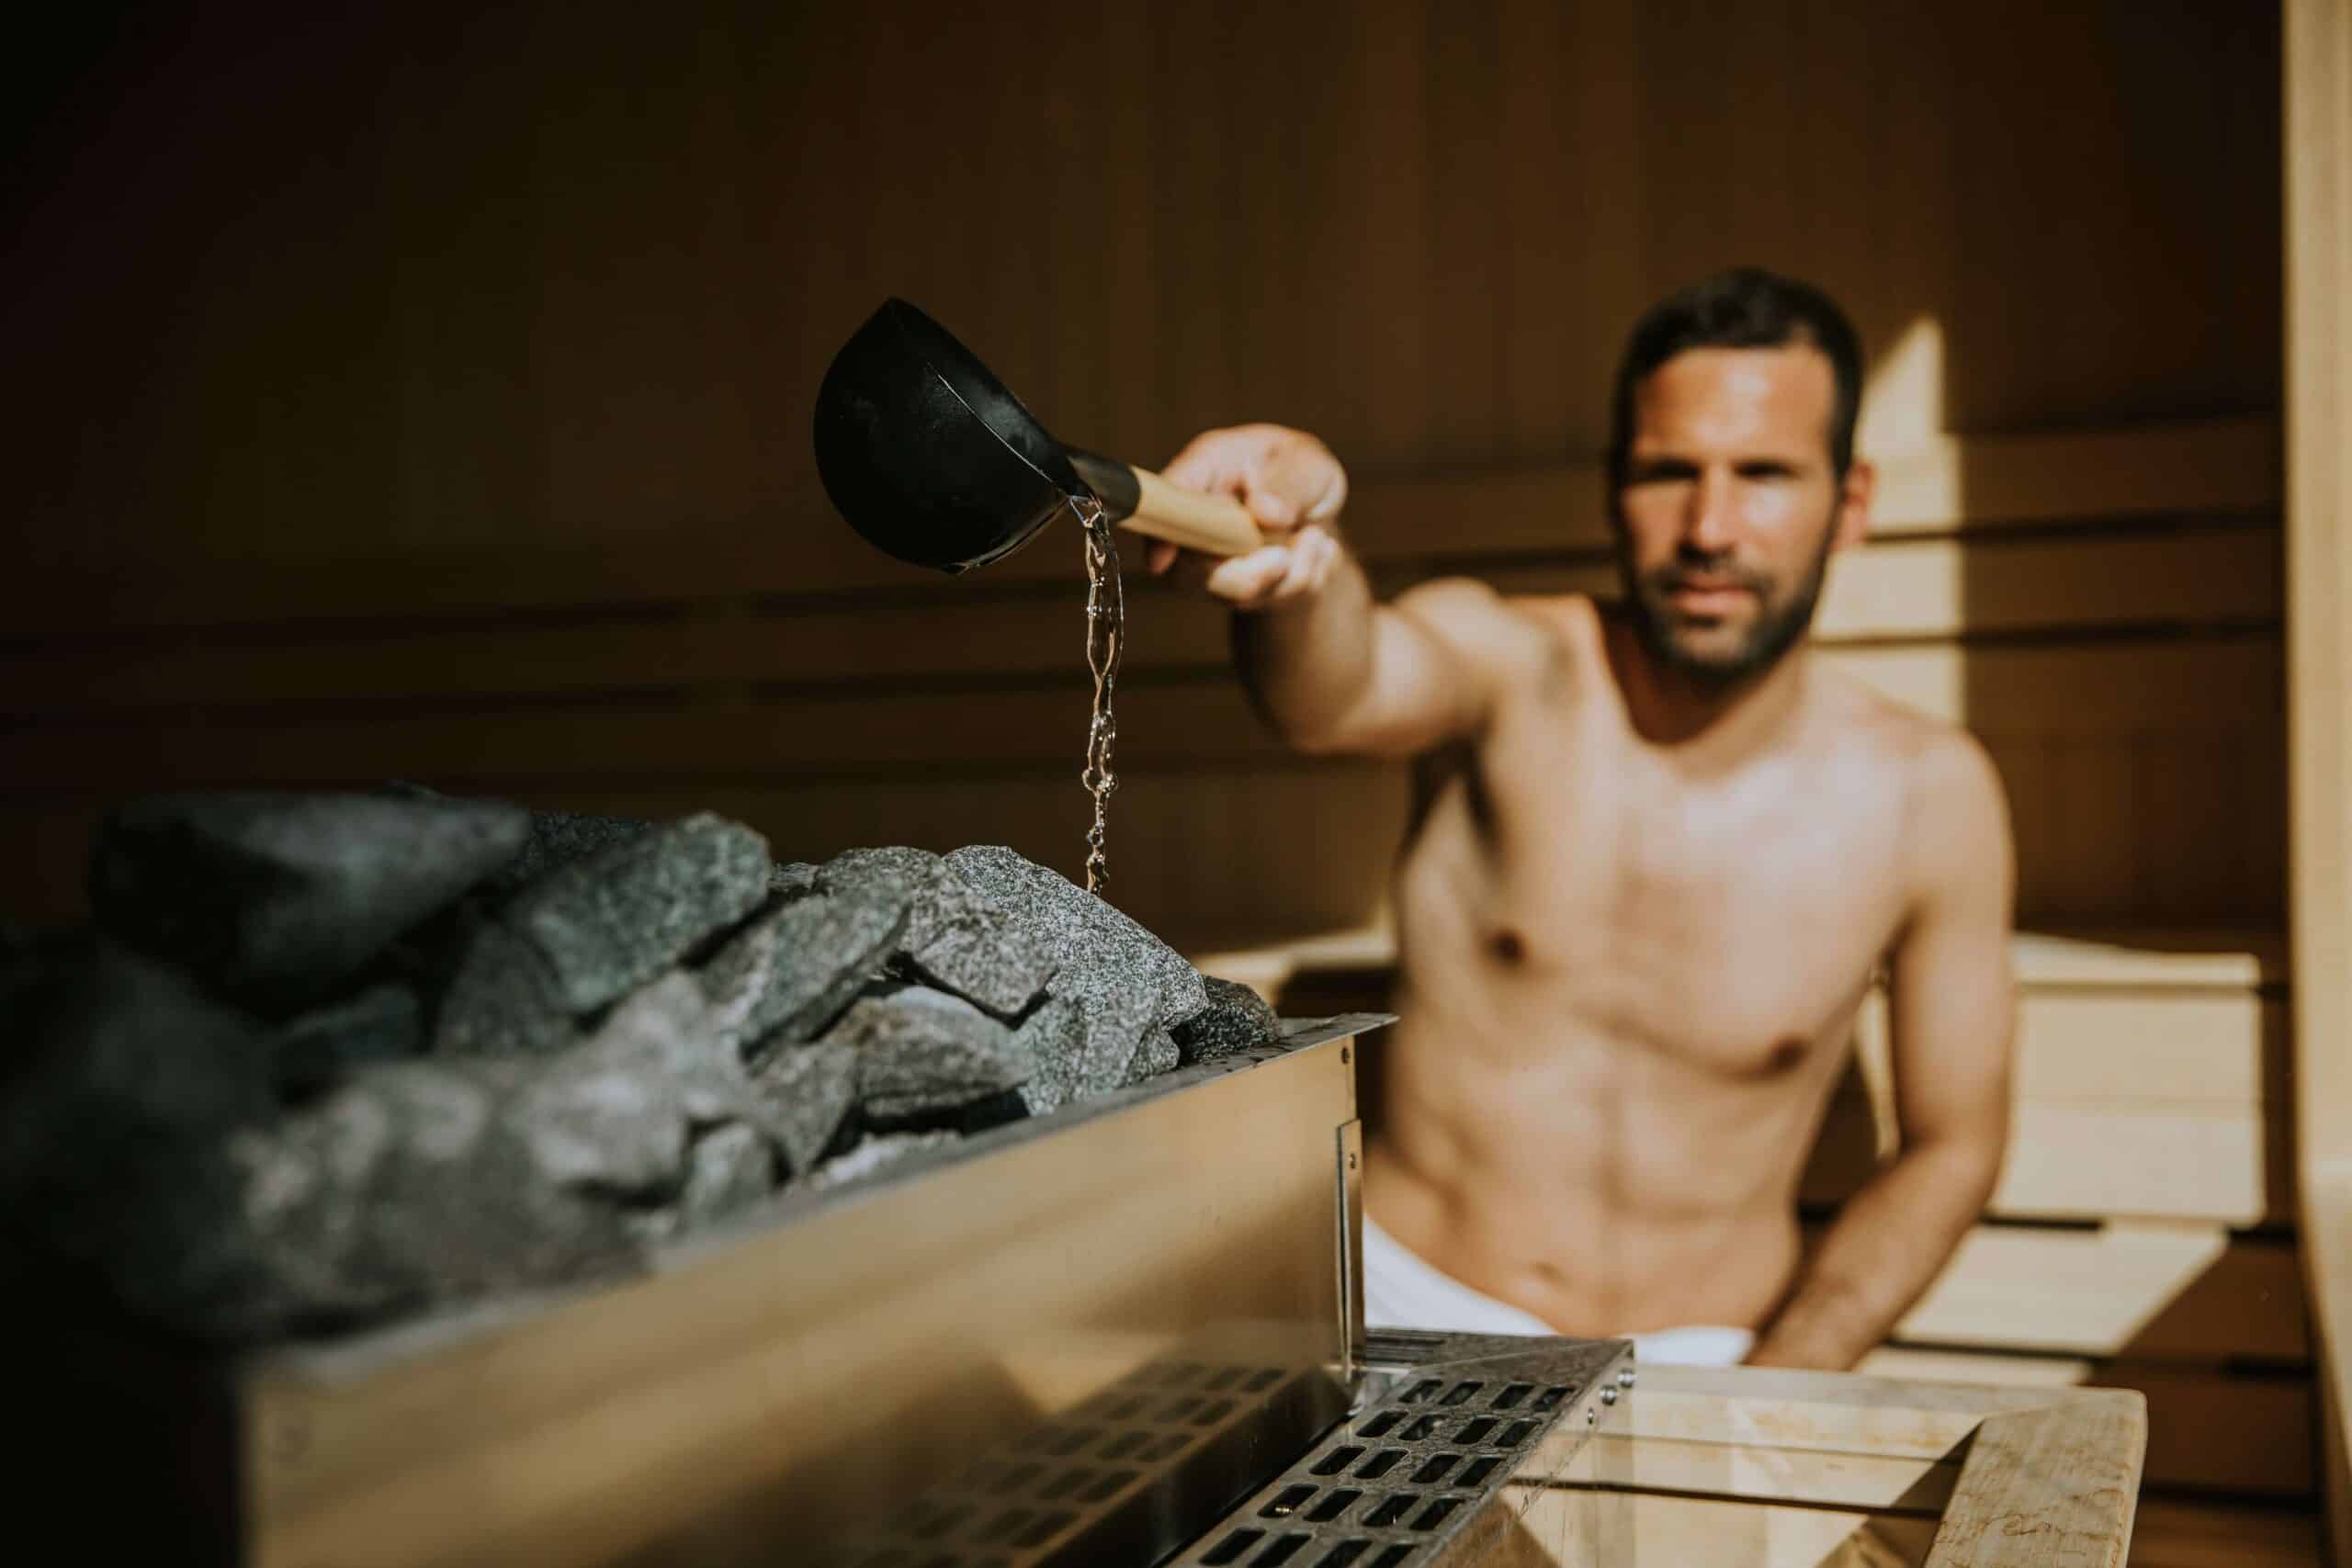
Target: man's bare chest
{"type": "Point", "coordinates": [1734, 928]}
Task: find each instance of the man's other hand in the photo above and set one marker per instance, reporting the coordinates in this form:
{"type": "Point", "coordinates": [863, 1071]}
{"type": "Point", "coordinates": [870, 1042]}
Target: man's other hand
{"type": "Point", "coordinates": [1291, 484]}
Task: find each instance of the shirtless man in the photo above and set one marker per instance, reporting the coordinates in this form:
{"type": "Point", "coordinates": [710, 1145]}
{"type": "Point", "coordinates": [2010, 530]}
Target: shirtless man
{"type": "Point", "coordinates": [1660, 852]}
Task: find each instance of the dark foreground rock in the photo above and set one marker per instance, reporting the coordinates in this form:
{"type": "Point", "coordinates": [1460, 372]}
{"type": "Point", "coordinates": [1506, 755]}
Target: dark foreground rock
{"type": "Point", "coordinates": [274, 901]}
{"type": "Point", "coordinates": [123, 1092]}
{"type": "Point", "coordinates": [375, 1027]}
{"type": "Point", "coordinates": [413, 1184]}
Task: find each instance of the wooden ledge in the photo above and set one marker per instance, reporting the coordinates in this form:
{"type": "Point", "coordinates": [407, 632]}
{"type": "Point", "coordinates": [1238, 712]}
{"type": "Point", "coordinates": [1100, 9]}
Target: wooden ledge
{"type": "Point", "coordinates": [2153, 959]}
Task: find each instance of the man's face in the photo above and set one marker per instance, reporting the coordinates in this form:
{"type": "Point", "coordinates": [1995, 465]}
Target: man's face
{"type": "Point", "coordinates": [1730, 507]}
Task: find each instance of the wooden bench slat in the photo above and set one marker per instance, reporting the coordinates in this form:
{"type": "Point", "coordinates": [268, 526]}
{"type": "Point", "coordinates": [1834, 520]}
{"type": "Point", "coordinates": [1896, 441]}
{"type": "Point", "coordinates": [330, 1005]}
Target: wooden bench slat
{"type": "Point", "coordinates": [2096, 1160]}
{"type": "Point", "coordinates": [2143, 1290]}
{"type": "Point", "coordinates": [2208, 1426]}
{"type": "Point", "coordinates": [2069, 1476]}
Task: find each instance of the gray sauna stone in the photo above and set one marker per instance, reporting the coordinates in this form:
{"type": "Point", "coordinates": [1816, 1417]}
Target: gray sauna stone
{"type": "Point", "coordinates": [609, 922]}
{"type": "Point", "coordinates": [1236, 1019]}
{"type": "Point", "coordinates": [276, 900]}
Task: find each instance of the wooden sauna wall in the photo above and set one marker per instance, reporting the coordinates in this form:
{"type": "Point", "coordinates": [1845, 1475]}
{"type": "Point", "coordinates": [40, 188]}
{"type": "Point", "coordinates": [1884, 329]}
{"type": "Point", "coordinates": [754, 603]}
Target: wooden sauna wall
{"type": "Point", "coordinates": [426, 398]}
{"type": "Point", "coordinates": [431, 401]}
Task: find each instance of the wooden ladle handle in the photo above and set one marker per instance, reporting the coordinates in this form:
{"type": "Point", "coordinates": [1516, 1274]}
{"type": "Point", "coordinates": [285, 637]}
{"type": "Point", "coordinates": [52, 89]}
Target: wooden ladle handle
{"type": "Point", "coordinates": [1213, 525]}
{"type": "Point", "coordinates": [1140, 501]}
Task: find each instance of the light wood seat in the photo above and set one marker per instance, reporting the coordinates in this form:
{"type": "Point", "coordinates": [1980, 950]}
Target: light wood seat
{"type": "Point", "coordinates": [2140, 1234]}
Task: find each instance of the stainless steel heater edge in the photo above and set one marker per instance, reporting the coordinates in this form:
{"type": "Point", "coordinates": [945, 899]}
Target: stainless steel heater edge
{"type": "Point", "coordinates": [810, 1386]}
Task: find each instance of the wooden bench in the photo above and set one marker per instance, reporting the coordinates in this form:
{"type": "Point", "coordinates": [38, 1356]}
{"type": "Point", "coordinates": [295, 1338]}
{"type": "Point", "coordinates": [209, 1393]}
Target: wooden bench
{"type": "Point", "coordinates": [2141, 1236]}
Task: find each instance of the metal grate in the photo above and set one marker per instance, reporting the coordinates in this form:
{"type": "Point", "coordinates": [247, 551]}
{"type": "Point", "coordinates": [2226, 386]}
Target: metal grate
{"type": "Point", "coordinates": [1448, 1420]}
{"type": "Point", "coordinates": [1045, 1495]}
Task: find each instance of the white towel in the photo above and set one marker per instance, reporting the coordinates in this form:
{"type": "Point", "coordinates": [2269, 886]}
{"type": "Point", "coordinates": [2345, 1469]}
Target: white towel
{"type": "Point", "coordinates": [1403, 1290]}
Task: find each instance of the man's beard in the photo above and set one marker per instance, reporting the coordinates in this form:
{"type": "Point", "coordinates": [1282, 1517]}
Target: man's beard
{"type": "Point", "coordinates": [1780, 623]}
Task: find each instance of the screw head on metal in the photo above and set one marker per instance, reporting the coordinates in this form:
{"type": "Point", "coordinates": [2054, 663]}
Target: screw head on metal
{"type": "Point", "coordinates": [1625, 1378]}
{"type": "Point", "coordinates": [1344, 1057]}
{"type": "Point", "coordinates": [1608, 1396]}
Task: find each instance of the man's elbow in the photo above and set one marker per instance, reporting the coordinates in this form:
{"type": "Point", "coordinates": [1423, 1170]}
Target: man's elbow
{"type": "Point", "coordinates": [1321, 737]}
{"type": "Point", "coordinates": [1969, 1161]}
{"type": "Point", "coordinates": [1359, 733]}
{"type": "Point", "coordinates": [1309, 729]}
{"type": "Point", "coordinates": [1316, 728]}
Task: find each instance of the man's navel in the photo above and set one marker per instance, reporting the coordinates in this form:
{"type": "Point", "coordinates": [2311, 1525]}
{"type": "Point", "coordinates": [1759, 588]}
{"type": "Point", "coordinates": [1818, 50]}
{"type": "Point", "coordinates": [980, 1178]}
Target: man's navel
{"type": "Point", "coordinates": [1508, 946]}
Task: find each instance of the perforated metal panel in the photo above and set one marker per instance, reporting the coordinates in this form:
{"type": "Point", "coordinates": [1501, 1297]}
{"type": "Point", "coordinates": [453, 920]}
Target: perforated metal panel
{"type": "Point", "coordinates": [1449, 1419]}
{"type": "Point", "coordinates": [1166, 1438]}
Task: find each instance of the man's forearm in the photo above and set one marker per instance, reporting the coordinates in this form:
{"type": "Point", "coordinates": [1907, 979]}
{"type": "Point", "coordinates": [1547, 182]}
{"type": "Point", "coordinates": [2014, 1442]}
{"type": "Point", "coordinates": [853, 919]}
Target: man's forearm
{"type": "Point", "coordinates": [1885, 1248]}
{"type": "Point", "coordinates": [1307, 664]}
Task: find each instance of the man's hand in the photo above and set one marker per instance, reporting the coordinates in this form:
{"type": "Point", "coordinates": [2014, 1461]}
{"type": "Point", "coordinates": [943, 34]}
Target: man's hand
{"type": "Point", "coordinates": [1291, 484]}
{"type": "Point", "coordinates": [1331, 671]}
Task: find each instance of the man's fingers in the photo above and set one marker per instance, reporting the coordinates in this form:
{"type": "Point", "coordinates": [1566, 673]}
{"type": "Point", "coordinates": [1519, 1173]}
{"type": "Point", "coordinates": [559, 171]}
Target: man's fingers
{"type": "Point", "coordinates": [1287, 480]}
{"type": "Point", "coordinates": [1272, 509]}
{"type": "Point", "coordinates": [1159, 555]}
{"type": "Point", "coordinates": [1212, 461]}
{"type": "Point", "coordinates": [1260, 578]}
{"type": "Point", "coordinates": [1310, 562]}
{"type": "Point", "coordinates": [1245, 579]}
{"type": "Point", "coordinates": [1283, 476]}
{"type": "Point", "coordinates": [1306, 477]}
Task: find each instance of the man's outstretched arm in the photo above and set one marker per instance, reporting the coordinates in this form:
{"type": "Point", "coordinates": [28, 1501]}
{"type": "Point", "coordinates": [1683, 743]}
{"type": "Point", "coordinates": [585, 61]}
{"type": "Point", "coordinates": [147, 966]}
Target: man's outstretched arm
{"type": "Point", "coordinates": [1330, 669]}
{"type": "Point", "coordinates": [1953, 1017]}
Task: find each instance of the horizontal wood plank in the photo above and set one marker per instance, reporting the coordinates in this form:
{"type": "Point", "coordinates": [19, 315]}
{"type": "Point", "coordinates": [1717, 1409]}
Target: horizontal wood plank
{"type": "Point", "coordinates": [2207, 1428]}
{"type": "Point", "coordinates": [2218, 1048]}
{"type": "Point", "coordinates": [2141, 1289]}
{"type": "Point", "coordinates": [2071, 1159]}
{"type": "Point", "coordinates": [1898, 590]}
{"type": "Point", "coordinates": [2181, 1532]}
{"type": "Point", "coordinates": [1766, 1473]}
{"type": "Point", "coordinates": [1960, 483]}
{"type": "Point", "coordinates": [2229, 465]}
{"type": "Point", "coordinates": [2121, 841]}
{"type": "Point", "coordinates": [1573, 1525]}
{"type": "Point", "coordinates": [2146, 958]}
{"type": "Point", "coordinates": [800, 547]}
{"type": "Point", "coordinates": [1859, 1411]}
{"type": "Point", "coordinates": [2086, 691]}
{"type": "Point", "coordinates": [2045, 961]}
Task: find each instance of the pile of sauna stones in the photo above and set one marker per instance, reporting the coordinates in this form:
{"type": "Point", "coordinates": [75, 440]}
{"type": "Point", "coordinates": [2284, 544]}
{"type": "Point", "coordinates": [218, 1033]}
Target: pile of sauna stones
{"type": "Point", "coordinates": [330, 1059]}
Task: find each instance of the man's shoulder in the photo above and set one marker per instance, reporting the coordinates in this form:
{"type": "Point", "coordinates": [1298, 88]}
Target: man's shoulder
{"type": "Point", "coordinates": [1522, 634]}
{"type": "Point", "coordinates": [1954, 808]}
{"type": "Point", "coordinates": [1913, 741]}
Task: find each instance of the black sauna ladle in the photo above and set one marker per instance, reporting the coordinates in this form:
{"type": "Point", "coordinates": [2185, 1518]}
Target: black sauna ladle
{"type": "Point", "coordinates": [932, 460]}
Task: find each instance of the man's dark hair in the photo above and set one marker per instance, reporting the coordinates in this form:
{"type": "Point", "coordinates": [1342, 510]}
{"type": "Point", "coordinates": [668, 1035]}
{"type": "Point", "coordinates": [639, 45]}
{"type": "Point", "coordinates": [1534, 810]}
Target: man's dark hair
{"type": "Point", "coordinates": [1745, 307]}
